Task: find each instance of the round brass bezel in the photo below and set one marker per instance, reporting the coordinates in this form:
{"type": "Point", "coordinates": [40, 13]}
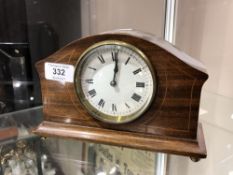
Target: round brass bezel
{"type": "Point", "coordinates": [94, 111]}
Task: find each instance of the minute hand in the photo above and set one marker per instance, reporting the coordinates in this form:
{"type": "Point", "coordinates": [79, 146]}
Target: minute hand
{"type": "Point", "coordinates": [115, 58]}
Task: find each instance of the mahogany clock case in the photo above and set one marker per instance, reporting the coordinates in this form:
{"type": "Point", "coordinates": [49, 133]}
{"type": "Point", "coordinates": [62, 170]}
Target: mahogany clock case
{"type": "Point", "coordinates": [169, 125]}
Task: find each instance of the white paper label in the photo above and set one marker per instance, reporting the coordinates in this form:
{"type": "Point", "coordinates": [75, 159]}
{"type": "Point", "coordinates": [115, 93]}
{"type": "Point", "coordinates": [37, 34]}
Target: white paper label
{"type": "Point", "coordinates": [59, 72]}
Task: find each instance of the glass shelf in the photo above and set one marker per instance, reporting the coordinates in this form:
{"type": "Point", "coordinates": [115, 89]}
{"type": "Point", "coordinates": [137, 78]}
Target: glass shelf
{"type": "Point", "coordinates": [83, 158]}
{"type": "Point", "coordinates": [18, 125]}
{"type": "Point", "coordinates": [63, 156]}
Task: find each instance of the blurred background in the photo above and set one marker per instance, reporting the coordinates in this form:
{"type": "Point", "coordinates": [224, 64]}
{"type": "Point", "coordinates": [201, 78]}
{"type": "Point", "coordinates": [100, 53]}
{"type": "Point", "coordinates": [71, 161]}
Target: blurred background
{"type": "Point", "coordinates": [31, 30]}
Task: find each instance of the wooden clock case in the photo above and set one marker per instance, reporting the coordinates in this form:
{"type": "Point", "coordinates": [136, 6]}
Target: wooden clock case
{"type": "Point", "coordinates": [170, 124]}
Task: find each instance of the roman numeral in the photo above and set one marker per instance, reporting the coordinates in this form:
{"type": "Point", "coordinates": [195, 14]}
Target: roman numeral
{"type": "Point", "coordinates": [92, 92]}
{"type": "Point", "coordinates": [101, 58]}
{"type": "Point", "coordinates": [127, 105]}
{"type": "Point", "coordinates": [137, 71]}
{"type": "Point", "coordinates": [92, 68]}
{"type": "Point", "coordinates": [136, 97]}
{"type": "Point", "coordinates": [114, 55]}
{"type": "Point", "coordinates": [140, 84]}
{"type": "Point", "coordinates": [89, 81]}
{"type": "Point", "coordinates": [114, 108]}
{"type": "Point", "coordinates": [127, 61]}
{"type": "Point", "coordinates": [101, 103]}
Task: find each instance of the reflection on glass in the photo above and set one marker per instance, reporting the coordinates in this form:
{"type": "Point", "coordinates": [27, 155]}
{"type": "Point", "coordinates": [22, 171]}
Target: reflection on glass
{"type": "Point", "coordinates": [98, 159]}
{"type": "Point", "coordinates": [30, 31]}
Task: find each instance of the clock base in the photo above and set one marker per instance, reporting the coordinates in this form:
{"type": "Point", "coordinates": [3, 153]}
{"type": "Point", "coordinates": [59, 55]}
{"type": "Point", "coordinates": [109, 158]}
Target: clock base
{"type": "Point", "coordinates": [194, 148]}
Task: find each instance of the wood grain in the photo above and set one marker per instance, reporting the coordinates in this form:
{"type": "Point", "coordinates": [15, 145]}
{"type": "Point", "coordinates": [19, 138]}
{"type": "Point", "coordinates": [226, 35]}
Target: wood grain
{"type": "Point", "coordinates": [132, 140]}
{"type": "Point", "coordinates": [173, 113]}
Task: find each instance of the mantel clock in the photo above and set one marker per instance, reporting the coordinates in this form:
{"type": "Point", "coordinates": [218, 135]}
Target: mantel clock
{"type": "Point", "coordinates": [124, 88]}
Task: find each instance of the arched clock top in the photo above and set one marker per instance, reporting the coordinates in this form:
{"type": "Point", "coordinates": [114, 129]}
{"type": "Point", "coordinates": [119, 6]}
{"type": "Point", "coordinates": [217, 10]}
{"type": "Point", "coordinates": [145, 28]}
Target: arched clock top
{"type": "Point", "coordinates": [128, 89]}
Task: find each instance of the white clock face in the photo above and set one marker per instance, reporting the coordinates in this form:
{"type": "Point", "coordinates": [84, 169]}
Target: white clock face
{"type": "Point", "coordinates": [115, 82]}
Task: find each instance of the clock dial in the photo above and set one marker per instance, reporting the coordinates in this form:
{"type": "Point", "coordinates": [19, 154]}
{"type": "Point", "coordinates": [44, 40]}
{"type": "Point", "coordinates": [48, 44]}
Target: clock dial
{"type": "Point", "coordinates": [114, 81]}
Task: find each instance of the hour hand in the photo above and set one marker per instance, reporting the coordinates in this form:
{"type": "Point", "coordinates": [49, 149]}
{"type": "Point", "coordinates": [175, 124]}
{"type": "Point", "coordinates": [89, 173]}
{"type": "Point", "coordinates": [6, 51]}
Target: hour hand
{"type": "Point", "coordinates": [115, 58]}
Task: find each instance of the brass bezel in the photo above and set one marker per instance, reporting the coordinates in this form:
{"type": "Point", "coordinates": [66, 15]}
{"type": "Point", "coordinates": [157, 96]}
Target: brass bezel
{"type": "Point", "coordinates": [94, 111]}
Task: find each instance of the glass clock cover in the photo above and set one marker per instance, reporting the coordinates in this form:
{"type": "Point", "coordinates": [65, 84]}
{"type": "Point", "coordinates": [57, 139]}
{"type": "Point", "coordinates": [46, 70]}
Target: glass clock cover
{"type": "Point", "coordinates": [114, 81]}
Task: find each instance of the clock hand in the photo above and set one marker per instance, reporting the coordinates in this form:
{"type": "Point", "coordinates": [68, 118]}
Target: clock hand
{"type": "Point", "coordinates": [115, 58]}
